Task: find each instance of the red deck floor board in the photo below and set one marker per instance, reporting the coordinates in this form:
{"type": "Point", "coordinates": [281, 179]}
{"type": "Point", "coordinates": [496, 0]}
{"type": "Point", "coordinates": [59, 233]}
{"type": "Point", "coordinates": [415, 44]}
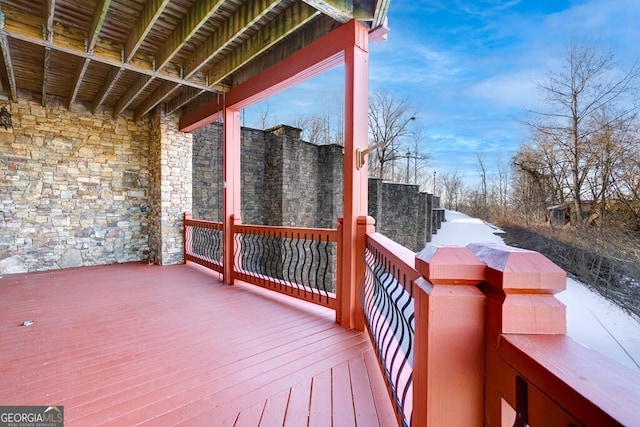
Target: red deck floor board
{"type": "Point", "coordinates": [341, 399]}
{"type": "Point", "coordinates": [275, 409]}
{"type": "Point", "coordinates": [298, 408]}
{"type": "Point", "coordinates": [136, 344]}
{"type": "Point", "coordinates": [320, 411]}
{"type": "Point", "coordinates": [362, 394]}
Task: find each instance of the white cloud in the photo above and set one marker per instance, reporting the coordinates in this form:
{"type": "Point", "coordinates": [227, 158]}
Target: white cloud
{"type": "Point", "coordinates": [509, 91]}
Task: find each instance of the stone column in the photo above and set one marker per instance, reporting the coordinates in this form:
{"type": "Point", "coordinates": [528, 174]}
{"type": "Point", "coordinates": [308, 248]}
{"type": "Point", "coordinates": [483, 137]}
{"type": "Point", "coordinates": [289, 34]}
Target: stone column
{"type": "Point", "coordinates": [170, 166]}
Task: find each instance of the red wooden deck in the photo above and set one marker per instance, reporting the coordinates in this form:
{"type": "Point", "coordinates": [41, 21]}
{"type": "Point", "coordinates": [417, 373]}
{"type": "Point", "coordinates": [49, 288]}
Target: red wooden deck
{"type": "Point", "coordinates": [138, 344]}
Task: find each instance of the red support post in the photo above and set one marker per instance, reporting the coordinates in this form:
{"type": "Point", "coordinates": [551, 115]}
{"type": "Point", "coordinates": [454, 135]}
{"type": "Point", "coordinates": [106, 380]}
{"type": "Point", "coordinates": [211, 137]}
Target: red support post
{"type": "Point", "coordinates": [448, 364]}
{"type": "Point", "coordinates": [519, 286]}
{"type": "Point", "coordinates": [232, 181]}
{"type": "Point", "coordinates": [355, 180]}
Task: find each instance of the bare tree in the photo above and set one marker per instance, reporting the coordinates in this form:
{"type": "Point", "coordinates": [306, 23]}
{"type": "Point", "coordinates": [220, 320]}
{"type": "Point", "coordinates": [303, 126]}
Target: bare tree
{"type": "Point", "coordinates": [501, 190]}
{"type": "Point", "coordinates": [389, 117]}
{"type": "Point", "coordinates": [264, 119]}
{"type": "Point", "coordinates": [453, 186]}
{"type": "Point", "coordinates": [326, 127]}
{"type": "Point", "coordinates": [587, 84]}
{"type": "Point", "coordinates": [420, 157]}
{"type": "Point", "coordinates": [483, 179]}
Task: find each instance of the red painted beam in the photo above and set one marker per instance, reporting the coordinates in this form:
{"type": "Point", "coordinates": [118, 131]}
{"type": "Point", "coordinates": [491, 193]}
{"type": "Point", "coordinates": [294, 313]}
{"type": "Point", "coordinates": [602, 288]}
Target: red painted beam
{"type": "Point", "coordinates": [320, 56]}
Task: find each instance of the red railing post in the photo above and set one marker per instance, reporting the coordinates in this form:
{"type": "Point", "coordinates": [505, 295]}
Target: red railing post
{"type": "Point", "coordinates": [229, 249]}
{"type": "Point", "coordinates": [339, 259]}
{"type": "Point", "coordinates": [187, 216]}
{"type": "Point", "coordinates": [350, 312]}
{"type": "Point", "coordinates": [448, 359]}
{"type": "Point", "coordinates": [365, 225]}
{"type": "Point", "coordinates": [519, 286]}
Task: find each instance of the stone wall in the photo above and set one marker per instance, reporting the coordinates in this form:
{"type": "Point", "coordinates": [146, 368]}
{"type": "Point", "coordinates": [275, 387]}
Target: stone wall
{"type": "Point", "coordinates": [74, 188]}
{"type": "Point", "coordinates": [170, 164]}
{"type": "Point", "coordinates": [285, 181]}
{"type": "Point", "coordinates": [400, 213]}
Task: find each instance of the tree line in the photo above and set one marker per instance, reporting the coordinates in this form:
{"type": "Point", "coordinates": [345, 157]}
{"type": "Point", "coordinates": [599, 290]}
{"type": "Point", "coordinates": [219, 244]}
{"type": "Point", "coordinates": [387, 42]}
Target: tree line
{"type": "Point", "coordinates": [582, 155]}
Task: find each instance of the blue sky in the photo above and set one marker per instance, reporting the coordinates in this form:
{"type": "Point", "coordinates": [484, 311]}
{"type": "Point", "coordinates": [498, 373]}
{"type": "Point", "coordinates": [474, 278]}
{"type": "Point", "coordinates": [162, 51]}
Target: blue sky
{"type": "Point", "coordinates": [470, 69]}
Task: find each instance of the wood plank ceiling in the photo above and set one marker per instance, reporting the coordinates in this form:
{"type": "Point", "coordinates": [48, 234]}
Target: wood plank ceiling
{"type": "Point", "coordinates": [137, 54]}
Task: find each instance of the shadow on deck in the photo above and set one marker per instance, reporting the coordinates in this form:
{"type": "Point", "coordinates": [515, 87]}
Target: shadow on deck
{"type": "Point", "coordinates": [132, 343]}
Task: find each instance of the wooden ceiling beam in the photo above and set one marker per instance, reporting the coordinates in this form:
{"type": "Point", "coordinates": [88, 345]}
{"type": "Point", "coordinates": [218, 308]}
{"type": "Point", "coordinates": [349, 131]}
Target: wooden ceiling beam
{"type": "Point", "coordinates": [292, 18]}
{"type": "Point", "coordinates": [228, 32]}
{"type": "Point", "coordinates": [131, 94]}
{"type": "Point", "coordinates": [320, 26]}
{"type": "Point", "coordinates": [340, 10]}
{"type": "Point", "coordinates": [236, 25]}
{"type": "Point", "coordinates": [8, 62]}
{"type": "Point", "coordinates": [187, 95]}
{"type": "Point", "coordinates": [48, 35]}
{"type": "Point", "coordinates": [314, 59]}
{"type": "Point", "coordinates": [45, 75]}
{"type": "Point", "coordinates": [106, 87]}
{"type": "Point", "coordinates": [77, 80]}
{"type": "Point", "coordinates": [197, 16]}
{"type": "Point", "coordinates": [164, 91]}
{"type": "Point", "coordinates": [96, 24]}
{"type": "Point", "coordinates": [92, 38]}
{"type": "Point", "coordinates": [149, 15]}
{"type": "Point", "coordinates": [380, 14]}
{"type": "Point", "coordinates": [28, 28]}
{"type": "Point", "coordinates": [51, 8]}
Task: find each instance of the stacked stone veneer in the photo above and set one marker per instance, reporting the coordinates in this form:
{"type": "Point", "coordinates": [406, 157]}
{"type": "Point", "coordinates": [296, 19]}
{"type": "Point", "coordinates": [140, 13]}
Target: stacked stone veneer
{"type": "Point", "coordinates": [170, 165]}
{"type": "Point", "coordinates": [80, 189]}
{"type": "Point", "coordinates": [285, 181]}
{"type": "Point", "coordinates": [403, 213]}
{"type": "Point", "coordinates": [73, 188]}
{"type": "Point", "coordinates": [290, 182]}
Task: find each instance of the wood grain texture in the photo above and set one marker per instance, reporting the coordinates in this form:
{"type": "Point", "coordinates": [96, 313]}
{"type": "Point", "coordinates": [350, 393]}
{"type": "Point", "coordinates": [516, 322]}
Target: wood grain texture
{"type": "Point", "coordinates": [136, 344]}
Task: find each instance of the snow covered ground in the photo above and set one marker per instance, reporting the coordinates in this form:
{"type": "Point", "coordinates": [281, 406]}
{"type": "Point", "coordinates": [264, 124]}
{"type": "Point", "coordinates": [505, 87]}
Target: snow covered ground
{"type": "Point", "coordinates": [591, 319]}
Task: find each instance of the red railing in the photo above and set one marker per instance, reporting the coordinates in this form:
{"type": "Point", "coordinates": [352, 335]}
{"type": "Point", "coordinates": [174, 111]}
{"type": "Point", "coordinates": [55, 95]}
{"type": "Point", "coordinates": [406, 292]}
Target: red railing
{"type": "Point", "coordinates": [549, 380]}
{"type": "Point", "coordinates": [433, 359]}
{"type": "Point", "coordinates": [464, 336]}
{"type": "Point", "coordinates": [296, 261]}
{"type": "Point", "coordinates": [535, 374]}
{"type": "Point", "coordinates": [203, 242]}
{"type": "Point", "coordinates": [300, 262]}
{"type": "Point", "coordinates": [494, 354]}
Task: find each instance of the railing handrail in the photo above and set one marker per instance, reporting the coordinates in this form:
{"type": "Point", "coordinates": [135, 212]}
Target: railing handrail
{"type": "Point", "coordinates": [588, 386]}
{"type": "Point", "coordinates": [398, 256]}
{"type": "Point", "coordinates": [214, 225]}
{"type": "Point", "coordinates": [331, 234]}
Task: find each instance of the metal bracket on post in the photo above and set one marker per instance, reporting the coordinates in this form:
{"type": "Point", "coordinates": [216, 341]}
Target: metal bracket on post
{"type": "Point", "coordinates": [360, 154]}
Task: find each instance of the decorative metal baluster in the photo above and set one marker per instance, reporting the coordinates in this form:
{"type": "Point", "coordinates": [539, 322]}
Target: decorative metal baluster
{"type": "Point", "coordinates": [238, 254]}
{"type": "Point", "coordinates": [323, 277]}
{"type": "Point", "coordinates": [389, 316]}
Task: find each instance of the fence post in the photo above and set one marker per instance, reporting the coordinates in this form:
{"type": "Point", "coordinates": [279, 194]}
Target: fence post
{"type": "Point", "coordinates": [448, 360]}
{"type": "Point", "coordinates": [519, 286]}
{"type": "Point", "coordinates": [339, 259]}
{"type": "Point", "coordinates": [351, 312]}
{"type": "Point", "coordinates": [187, 216]}
{"type": "Point", "coordinates": [229, 250]}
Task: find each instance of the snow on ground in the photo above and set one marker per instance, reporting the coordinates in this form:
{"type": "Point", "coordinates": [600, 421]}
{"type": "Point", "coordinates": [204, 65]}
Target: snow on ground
{"type": "Point", "coordinates": [591, 319]}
